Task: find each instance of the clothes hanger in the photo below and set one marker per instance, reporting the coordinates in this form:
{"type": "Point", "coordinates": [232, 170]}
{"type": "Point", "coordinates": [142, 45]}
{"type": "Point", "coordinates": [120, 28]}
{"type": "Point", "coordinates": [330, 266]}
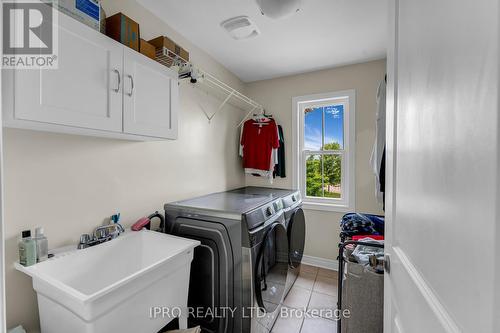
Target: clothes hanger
{"type": "Point", "coordinates": [260, 123]}
{"type": "Point", "coordinates": [261, 119]}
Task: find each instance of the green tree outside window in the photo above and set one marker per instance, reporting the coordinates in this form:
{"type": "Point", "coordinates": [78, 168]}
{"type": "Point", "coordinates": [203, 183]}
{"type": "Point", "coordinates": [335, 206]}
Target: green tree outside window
{"type": "Point", "coordinates": [323, 173]}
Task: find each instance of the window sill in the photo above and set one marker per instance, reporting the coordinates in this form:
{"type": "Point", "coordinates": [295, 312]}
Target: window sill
{"type": "Point", "coordinates": [327, 207]}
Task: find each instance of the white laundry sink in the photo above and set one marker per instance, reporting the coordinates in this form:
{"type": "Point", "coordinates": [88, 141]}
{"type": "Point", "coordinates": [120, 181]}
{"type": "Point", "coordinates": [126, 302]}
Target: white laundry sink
{"type": "Point", "coordinates": [115, 286]}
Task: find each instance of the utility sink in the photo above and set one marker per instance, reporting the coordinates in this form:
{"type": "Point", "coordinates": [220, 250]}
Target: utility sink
{"type": "Point", "coordinates": [117, 286]}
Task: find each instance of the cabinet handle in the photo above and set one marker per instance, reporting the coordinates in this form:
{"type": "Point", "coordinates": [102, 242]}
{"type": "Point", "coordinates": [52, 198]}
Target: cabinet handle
{"type": "Point", "coordinates": [117, 89]}
{"type": "Point", "coordinates": [131, 85]}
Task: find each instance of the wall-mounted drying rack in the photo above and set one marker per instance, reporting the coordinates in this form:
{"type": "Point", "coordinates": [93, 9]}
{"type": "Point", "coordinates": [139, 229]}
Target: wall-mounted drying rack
{"type": "Point", "coordinates": [209, 84]}
{"type": "Point", "coordinates": [226, 94]}
{"type": "Point", "coordinates": [168, 58]}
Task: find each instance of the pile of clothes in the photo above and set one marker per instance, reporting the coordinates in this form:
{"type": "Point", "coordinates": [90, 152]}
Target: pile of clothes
{"type": "Point", "coordinates": [369, 255]}
{"type": "Point", "coordinates": [353, 224]}
{"type": "Point", "coordinates": [366, 228]}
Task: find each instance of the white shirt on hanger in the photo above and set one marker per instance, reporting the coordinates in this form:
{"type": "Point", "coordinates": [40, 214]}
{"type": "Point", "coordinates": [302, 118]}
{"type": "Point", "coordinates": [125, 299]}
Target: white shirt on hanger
{"type": "Point", "coordinates": [379, 144]}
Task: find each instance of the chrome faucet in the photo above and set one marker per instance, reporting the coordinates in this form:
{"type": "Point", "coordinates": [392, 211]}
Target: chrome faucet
{"type": "Point", "coordinates": [102, 233]}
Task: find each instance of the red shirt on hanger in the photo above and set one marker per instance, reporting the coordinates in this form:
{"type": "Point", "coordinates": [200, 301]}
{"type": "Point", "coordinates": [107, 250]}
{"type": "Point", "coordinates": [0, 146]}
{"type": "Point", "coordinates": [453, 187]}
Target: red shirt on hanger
{"type": "Point", "coordinates": [258, 141]}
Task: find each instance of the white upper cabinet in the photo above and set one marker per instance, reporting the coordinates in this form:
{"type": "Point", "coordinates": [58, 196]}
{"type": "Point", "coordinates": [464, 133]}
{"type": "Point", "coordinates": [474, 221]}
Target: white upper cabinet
{"type": "Point", "coordinates": [91, 93]}
{"type": "Point", "coordinates": [150, 94]}
{"type": "Point", "coordinates": [84, 91]}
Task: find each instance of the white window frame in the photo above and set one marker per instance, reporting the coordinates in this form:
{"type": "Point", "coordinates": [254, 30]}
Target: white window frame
{"type": "Point", "coordinates": [348, 183]}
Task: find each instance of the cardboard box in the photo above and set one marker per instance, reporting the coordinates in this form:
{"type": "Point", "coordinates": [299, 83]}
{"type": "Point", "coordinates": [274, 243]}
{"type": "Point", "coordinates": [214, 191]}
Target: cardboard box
{"type": "Point", "coordinates": [162, 41]}
{"type": "Point", "coordinates": [124, 30]}
{"type": "Point", "coordinates": [147, 49]}
{"type": "Point", "coordinates": [89, 12]}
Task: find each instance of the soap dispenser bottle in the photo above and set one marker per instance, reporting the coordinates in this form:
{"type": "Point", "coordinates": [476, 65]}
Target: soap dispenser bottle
{"type": "Point", "coordinates": [27, 249]}
{"type": "Point", "coordinates": [42, 245]}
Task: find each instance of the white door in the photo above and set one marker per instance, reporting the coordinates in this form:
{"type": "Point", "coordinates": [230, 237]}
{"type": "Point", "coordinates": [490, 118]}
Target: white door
{"type": "Point", "coordinates": [151, 96]}
{"type": "Point", "coordinates": [442, 169]}
{"type": "Point", "coordinates": [84, 91]}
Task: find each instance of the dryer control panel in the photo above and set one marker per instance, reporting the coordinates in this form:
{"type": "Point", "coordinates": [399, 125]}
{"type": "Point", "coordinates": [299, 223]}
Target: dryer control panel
{"type": "Point", "coordinates": [264, 213]}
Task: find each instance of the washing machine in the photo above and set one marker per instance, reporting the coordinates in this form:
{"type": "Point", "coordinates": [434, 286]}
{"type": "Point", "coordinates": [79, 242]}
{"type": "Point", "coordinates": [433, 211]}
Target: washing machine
{"type": "Point", "coordinates": [294, 224]}
{"type": "Point", "coordinates": [239, 272]}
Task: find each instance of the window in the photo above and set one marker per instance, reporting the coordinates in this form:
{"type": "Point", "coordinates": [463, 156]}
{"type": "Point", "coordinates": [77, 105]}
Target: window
{"type": "Point", "coordinates": [324, 150]}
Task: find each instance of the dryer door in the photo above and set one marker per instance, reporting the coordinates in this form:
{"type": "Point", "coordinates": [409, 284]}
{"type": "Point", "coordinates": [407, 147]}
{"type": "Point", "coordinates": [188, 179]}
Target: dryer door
{"type": "Point", "coordinates": [211, 280]}
{"type": "Point", "coordinates": [271, 268]}
{"type": "Point", "coordinates": [296, 237]}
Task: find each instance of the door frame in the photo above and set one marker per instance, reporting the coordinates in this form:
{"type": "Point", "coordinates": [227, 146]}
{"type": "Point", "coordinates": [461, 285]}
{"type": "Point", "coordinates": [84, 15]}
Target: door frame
{"type": "Point", "coordinates": [3, 327]}
{"type": "Point", "coordinates": [391, 145]}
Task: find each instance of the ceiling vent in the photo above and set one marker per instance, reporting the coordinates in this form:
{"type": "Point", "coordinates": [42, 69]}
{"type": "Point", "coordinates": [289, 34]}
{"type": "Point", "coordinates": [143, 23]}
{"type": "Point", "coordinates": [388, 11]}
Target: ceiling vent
{"type": "Point", "coordinates": [277, 9]}
{"type": "Point", "coordinates": [240, 27]}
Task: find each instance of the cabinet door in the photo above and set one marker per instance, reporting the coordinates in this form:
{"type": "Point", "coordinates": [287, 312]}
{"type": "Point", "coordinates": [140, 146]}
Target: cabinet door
{"type": "Point", "coordinates": [85, 90]}
{"type": "Point", "coordinates": [150, 97]}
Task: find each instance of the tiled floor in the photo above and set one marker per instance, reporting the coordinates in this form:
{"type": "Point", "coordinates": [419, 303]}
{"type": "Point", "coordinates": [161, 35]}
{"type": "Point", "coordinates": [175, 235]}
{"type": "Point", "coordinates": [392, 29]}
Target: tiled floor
{"type": "Point", "coordinates": [314, 289]}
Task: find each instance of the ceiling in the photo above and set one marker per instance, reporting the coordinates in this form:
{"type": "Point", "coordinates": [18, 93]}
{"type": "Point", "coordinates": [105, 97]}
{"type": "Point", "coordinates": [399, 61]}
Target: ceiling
{"type": "Point", "coordinates": [324, 34]}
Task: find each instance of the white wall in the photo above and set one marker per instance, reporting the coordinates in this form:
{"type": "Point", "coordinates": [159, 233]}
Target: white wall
{"type": "Point", "coordinates": [276, 96]}
{"type": "Point", "coordinates": [70, 184]}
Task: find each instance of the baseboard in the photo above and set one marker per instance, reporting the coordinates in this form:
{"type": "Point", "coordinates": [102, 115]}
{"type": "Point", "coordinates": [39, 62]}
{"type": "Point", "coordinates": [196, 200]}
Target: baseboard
{"type": "Point", "coordinates": [321, 262]}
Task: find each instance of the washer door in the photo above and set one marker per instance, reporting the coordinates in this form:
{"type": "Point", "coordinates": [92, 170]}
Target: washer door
{"type": "Point", "coordinates": [296, 237]}
{"type": "Point", "coordinates": [271, 268]}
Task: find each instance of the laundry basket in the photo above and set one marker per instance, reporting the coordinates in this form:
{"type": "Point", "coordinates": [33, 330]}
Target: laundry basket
{"type": "Point", "coordinates": [363, 295]}
{"type": "Point", "coordinates": [360, 288]}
